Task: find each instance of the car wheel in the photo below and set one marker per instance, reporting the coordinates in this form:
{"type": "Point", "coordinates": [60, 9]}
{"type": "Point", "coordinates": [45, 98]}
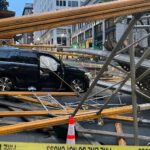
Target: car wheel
{"type": "Point", "coordinates": [6, 84]}
{"type": "Point", "coordinates": [78, 85]}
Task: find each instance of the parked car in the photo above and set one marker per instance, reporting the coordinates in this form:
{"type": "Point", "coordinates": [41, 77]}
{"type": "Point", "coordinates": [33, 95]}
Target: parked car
{"type": "Point", "coordinates": [21, 69]}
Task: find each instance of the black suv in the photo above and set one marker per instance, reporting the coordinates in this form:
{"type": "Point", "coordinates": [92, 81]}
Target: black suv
{"type": "Point", "coordinates": [21, 69]}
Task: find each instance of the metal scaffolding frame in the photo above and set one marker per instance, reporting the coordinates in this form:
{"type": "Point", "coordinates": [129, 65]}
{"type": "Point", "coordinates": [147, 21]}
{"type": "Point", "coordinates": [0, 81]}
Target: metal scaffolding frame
{"type": "Point", "coordinates": [131, 74]}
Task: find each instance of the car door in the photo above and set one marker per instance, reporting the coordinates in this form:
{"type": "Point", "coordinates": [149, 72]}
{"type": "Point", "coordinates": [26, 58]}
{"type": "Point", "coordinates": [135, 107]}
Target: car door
{"type": "Point", "coordinates": [26, 68]}
{"type": "Point", "coordinates": [50, 69]}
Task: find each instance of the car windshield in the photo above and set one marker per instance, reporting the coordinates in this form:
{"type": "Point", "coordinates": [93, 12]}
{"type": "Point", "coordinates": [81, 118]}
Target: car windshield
{"type": "Point", "coordinates": [48, 63]}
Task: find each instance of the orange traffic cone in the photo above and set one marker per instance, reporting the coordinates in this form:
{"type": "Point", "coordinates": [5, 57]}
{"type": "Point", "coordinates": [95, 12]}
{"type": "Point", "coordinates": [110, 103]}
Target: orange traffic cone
{"type": "Point", "coordinates": [71, 131]}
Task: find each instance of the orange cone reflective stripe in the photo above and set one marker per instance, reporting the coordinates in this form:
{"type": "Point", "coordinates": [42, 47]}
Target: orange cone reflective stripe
{"type": "Point", "coordinates": [71, 131]}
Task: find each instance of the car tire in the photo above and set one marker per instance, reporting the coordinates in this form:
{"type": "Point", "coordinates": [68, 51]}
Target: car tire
{"type": "Point", "coordinates": [6, 83]}
{"type": "Point", "coordinates": [78, 85]}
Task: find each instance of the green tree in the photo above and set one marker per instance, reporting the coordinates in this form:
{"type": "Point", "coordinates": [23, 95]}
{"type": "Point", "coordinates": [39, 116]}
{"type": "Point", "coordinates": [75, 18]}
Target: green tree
{"type": "Point", "coordinates": [3, 4]}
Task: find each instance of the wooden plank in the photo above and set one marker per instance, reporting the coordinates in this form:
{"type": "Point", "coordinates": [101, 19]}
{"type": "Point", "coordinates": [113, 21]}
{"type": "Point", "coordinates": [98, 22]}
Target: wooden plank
{"type": "Point", "coordinates": [39, 46]}
{"type": "Point", "coordinates": [46, 49]}
{"type": "Point", "coordinates": [13, 93]}
{"type": "Point", "coordinates": [33, 100]}
{"type": "Point", "coordinates": [39, 113]}
{"type": "Point", "coordinates": [54, 112]}
{"type": "Point", "coordinates": [121, 141]}
{"type": "Point", "coordinates": [67, 54]}
{"type": "Point", "coordinates": [71, 16]}
{"type": "Point", "coordinates": [95, 16]}
{"type": "Point", "coordinates": [75, 21]}
{"type": "Point", "coordinates": [46, 103]}
{"type": "Point", "coordinates": [57, 112]}
{"type": "Point", "coordinates": [61, 120]}
{"type": "Point", "coordinates": [64, 13]}
{"type": "Point", "coordinates": [122, 118]}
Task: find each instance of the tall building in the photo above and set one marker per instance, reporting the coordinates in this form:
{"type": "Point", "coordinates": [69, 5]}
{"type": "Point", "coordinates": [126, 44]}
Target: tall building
{"type": "Point", "coordinates": [27, 38]}
{"type": "Point", "coordinates": [55, 36]}
{"type": "Point", "coordinates": [92, 34]}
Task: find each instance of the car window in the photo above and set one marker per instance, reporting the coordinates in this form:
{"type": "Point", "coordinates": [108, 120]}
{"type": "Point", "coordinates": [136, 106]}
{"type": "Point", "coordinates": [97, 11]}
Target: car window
{"type": "Point", "coordinates": [4, 55]}
{"type": "Point", "coordinates": [48, 63]}
{"type": "Point", "coordinates": [27, 57]}
{"type": "Point", "coordinates": [13, 55]}
{"type": "Point", "coordinates": [8, 55]}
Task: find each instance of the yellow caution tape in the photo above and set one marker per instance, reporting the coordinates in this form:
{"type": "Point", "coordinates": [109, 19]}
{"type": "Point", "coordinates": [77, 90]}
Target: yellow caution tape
{"type": "Point", "coordinates": [35, 146]}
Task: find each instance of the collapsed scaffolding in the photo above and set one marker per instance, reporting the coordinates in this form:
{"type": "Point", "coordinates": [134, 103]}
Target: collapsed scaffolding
{"type": "Point", "coordinates": [60, 115]}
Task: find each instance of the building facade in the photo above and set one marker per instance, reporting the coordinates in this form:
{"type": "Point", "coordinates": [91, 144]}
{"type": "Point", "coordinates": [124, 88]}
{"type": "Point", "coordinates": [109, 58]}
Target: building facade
{"type": "Point", "coordinates": [55, 36]}
{"type": "Point", "coordinates": [27, 38]}
{"type": "Point", "coordinates": [93, 34]}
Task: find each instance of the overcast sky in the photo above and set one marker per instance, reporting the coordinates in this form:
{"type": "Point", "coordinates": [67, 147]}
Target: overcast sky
{"type": "Point", "coordinates": [18, 5]}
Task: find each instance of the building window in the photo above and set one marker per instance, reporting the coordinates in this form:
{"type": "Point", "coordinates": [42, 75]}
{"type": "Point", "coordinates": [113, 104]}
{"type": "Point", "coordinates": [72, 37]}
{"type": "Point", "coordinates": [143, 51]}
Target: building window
{"type": "Point", "coordinates": [64, 3]}
{"type": "Point", "coordinates": [74, 40]}
{"type": "Point", "coordinates": [51, 41]}
{"type": "Point", "coordinates": [69, 3]}
{"type": "Point", "coordinates": [62, 41]}
{"type": "Point", "coordinates": [98, 28]}
{"type": "Point", "coordinates": [57, 2]}
{"type": "Point", "coordinates": [73, 28]}
{"type": "Point", "coordinates": [88, 33]}
{"type": "Point", "coordinates": [73, 3]}
{"type": "Point", "coordinates": [61, 2]}
{"type": "Point", "coordinates": [81, 37]}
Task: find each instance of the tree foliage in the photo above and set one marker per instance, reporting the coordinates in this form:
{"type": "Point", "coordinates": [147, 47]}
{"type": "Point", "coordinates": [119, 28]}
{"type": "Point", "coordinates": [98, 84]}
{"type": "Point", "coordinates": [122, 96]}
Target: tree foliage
{"type": "Point", "coordinates": [3, 4]}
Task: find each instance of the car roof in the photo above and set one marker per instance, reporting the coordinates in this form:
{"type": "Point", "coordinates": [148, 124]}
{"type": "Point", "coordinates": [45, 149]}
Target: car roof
{"type": "Point", "coordinates": [11, 48]}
